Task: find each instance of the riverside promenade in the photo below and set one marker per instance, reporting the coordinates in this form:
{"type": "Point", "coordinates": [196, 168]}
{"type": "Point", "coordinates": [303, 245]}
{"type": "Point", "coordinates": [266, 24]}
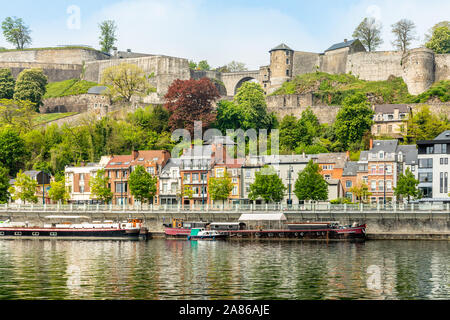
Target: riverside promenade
{"type": "Point", "coordinates": [392, 221]}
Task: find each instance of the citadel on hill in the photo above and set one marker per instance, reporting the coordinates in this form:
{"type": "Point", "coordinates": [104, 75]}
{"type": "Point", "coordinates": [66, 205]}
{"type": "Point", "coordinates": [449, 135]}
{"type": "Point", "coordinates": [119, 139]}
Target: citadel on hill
{"type": "Point", "coordinates": [419, 68]}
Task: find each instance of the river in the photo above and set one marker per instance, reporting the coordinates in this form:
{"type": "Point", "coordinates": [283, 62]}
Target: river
{"type": "Point", "coordinates": [175, 269]}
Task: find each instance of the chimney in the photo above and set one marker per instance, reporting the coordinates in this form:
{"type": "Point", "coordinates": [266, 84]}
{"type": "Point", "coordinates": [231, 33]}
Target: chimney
{"type": "Point", "coordinates": [371, 144]}
{"type": "Point", "coordinates": [135, 154]}
{"type": "Point", "coordinates": [348, 154]}
{"type": "Point", "coordinates": [128, 50]}
{"type": "Point", "coordinates": [345, 40]}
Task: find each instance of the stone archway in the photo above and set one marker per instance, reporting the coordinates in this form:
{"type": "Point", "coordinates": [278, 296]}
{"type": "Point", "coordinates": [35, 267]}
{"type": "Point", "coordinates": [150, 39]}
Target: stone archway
{"type": "Point", "coordinates": [241, 82]}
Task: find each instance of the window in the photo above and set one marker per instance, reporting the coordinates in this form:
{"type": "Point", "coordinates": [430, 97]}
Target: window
{"type": "Point", "coordinates": [443, 182]}
{"type": "Point", "coordinates": [429, 150]}
{"type": "Point", "coordinates": [390, 128]}
{"type": "Point", "coordinates": [327, 177]}
{"type": "Point", "coordinates": [438, 148]}
{"type": "Point", "coordinates": [373, 169]}
{"type": "Point", "coordinates": [220, 172]}
{"type": "Point", "coordinates": [204, 177]}
{"type": "Point", "coordinates": [444, 148]}
{"type": "Point", "coordinates": [349, 196]}
{"type": "Point", "coordinates": [247, 187]}
{"type": "Point", "coordinates": [247, 173]}
{"type": "Point", "coordinates": [81, 189]}
{"type": "Point", "coordinates": [425, 163]}
{"type": "Point", "coordinates": [187, 178]}
{"type": "Point", "coordinates": [381, 185]}
{"type": "Point", "coordinates": [425, 177]}
{"type": "Point", "coordinates": [235, 191]}
{"type": "Point", "coordinates": [373, 185]}
{"type": "Point", "coordinates": [388, 185]}
{"type": "Point", "coordinates": [327, 167]}
{"type": "Point", "coordinates": [173, 188]}
{"type": "Point", "coordinates": [389, 169]}
{"type": "Point", "coordinates": [81, 176]}
{"type": "Point", "coordinates": [348, 184]}
{"type": "Point", "coordinates": [195, 178]}
{"type": "Point", "coordinates": [378, 129]}
{"type": "Point", "coordinates": [287, 72]}
{"type": "Point", "coordinates": [365, 179]}
{"type": "Point", "coordinates": [381, 155]}
{"type": "Point", "coordinates": [234, 180]}
{"type": "Point", "coordinates": [287, 61]}
{"type": "Point", "coordinates": [165, 187]}
{"type": "Point", "coordinates": [121, 187]}
{"type": "Point", "coordinates": [390, 117]}
{"type": "Point", "coordinates": [151, 170]}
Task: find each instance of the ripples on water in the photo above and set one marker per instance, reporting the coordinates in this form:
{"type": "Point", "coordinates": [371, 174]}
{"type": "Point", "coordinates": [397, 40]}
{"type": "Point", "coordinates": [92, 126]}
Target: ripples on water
{"type": "Point", "coordinates": [177, 269]}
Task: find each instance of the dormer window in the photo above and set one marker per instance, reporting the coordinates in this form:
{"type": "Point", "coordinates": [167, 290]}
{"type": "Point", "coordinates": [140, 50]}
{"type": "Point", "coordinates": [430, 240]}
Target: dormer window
{"type": "Point", "coordinates": [381, 155]}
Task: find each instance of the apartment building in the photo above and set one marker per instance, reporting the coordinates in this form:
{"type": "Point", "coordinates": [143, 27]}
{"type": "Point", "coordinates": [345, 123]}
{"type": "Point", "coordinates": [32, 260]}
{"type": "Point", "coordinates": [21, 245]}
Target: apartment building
{"type": "Point", "coordinates": [170, 183]}
{"type": "Point", "coordinates": [232, 167]}
{"type": "Point", "coordinates": [434, 168]}
{"type": "Point", "coordinates": [77, 180]}
{"type": "Point", "coordinates": [390, 120]}
{"type": "Point", "coordinates": [43, 185]}
{"type": "Point", "coordinates": [120, 167]}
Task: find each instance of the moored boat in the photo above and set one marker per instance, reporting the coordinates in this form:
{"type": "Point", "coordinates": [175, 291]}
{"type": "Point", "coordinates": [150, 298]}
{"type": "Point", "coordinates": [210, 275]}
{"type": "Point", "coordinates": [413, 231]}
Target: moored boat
{"type": "Point", "coordinates": [131, 229]}
{"type": "Point", "coordinates": [181, 229]}
{"type": "Point", "coordinates": [203, 234]}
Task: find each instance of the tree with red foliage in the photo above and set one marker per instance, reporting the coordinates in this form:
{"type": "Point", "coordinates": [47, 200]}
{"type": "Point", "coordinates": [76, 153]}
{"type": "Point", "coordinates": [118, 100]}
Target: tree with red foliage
{"type": "Point", "coordinates": [189, 101]}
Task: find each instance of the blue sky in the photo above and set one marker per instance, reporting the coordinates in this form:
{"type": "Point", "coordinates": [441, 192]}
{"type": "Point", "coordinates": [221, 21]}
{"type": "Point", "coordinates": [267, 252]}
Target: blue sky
{"type": "Point", "coordinates": [218, 31]}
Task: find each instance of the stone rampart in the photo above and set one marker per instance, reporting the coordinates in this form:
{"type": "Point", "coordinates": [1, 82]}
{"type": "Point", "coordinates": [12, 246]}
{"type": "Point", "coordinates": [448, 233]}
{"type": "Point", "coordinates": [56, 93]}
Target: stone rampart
{"type": "Point", "coordinates": [59, 56]}
{"type": "Point", "coordinates": [54, 72]}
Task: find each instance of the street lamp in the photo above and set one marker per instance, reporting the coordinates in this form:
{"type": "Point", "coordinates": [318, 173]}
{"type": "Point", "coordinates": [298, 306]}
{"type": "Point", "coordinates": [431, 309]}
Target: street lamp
{"type": "Point", "coordinates": [384, 183]}
{"type": "Point", "coordinates": [290, 186]}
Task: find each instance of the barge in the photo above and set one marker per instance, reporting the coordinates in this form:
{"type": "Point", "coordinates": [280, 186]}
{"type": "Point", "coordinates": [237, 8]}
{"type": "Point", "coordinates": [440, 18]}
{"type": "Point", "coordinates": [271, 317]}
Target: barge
{"type": "Point", "coordinates": [131, 229]}
{"type": "Point", "coordinates": [178, 228]}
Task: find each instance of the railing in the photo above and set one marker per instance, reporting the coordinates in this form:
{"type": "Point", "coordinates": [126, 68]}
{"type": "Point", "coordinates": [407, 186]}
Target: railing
{"type": "Point", "coordinates": [309, 207]}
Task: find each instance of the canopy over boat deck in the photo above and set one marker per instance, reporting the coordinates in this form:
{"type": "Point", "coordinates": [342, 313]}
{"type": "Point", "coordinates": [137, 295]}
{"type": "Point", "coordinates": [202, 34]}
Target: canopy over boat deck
{"type": "Point", "coordinates": [263, 217]}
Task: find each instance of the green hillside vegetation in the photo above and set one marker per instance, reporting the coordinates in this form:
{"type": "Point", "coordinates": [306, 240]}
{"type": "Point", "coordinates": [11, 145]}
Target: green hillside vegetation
{"type": "Point", "coordinates": [48, 117]}
{"type": "Point", "coordinates": [68, 88]}
{"type": "Point", "coordinates": [332, 89]}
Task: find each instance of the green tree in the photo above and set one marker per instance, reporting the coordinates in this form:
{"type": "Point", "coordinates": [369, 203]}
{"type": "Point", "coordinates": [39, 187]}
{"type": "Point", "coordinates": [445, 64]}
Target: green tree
{"type": "Point", "coordinates": [13, 151]}
{"type": "Point", "coordinates": [291, 133]}
{"type": "Point", "coordinates": [404, 32]}
{"type": "Point", "coordinates": [310, 185]}
{"type": "Point", "coordinates": [58, 191]}
{"type": "Point", "coordinates": [108, 30]}
{"type": "Point", "coordinates": [440, 40]}
{"type": "Point", "coordinates": [252, 107]}
{"type": "Point", "coordinates": [220, 188]}
{"type": "Point", "coordinates": [203, 65]}
{"type": "Point", "coordinates": [16, 32]}
{"type": "Point", "coordinates": [353, 120]}
{"type": "Point", "coordinates": [425, 125]}
{"type": "Point", "coordinates": [4, 185]}
{"type": "Point", "coordinates": [17, 113]}
{"type": "Point", "coordinates": [7, 84]}
{"type": "Point", "coordinates": [125, 81]}
{"type": "Point", "coordinates": [142, 184]}
{"type": "Point", "coordinates": [267, 186]}
{"type": "Point", "coordinates": [407, 185]}
{"type": "Point", "coordinates": [361, 191]}
{"type": "Point", "coordinates": [31, 85]}
{"type": "Point", "coordinates": [24, 188]}
{"type": "Point", "coordinates": [100, 188]}
{"type": "Point", "coordinates": [192, 65]}
{"type": "Point", "coordinates": [369, 33]}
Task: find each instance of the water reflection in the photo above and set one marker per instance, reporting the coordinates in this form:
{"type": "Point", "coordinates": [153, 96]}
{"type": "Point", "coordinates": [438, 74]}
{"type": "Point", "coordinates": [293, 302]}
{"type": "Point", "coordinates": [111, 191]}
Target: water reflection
{"type": "Point", "coordinates": [174, 269]}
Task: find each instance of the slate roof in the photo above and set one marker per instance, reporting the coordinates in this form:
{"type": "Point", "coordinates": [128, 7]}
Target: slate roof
{"type": "Point", "coordinates": [443, 136]}
{"type": "Point", "coordinates": [389, 108]}
{"type": "Point", "coordinates": [389, 146]}
{"type": "Point", "coordinates": [350, 169]}
{"type": "Point", "coordinates": [97, 90]}
{"type": "Point", "coordinates": [281, 47]}
{"type": "Point", "coordinates": [341, 45]}
{"type": "Point", "coordinates": [409, 152]}
{"type": "Point", "coordinates": [338, 159]}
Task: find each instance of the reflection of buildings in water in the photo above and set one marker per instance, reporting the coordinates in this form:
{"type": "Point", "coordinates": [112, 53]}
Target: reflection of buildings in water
{"type": "Point", "coordinates": [439, 280]}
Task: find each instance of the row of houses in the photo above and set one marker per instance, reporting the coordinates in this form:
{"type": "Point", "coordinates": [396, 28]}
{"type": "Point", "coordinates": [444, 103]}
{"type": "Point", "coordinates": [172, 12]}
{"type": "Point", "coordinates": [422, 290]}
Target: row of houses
{"type": "Point", "coordinates": [379, 168]}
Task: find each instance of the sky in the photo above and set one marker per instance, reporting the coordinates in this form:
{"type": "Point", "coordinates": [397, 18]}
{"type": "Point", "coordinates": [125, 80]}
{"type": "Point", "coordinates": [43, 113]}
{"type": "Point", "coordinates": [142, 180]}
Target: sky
{"type": "Point", "coordinates": [215, 30]}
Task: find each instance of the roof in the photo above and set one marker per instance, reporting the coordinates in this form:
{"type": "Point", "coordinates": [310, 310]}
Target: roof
{"type": "Point", "coordinates": [198, 151]}
{"type": "Point", "coordinates": [341, 45]}
{"type": "Point", "coordinates": [409, 152]}
{"type": "Point", "coordinates": [142, 157]}
{"type": "Point", "coordinates": [333, 181]}
{"type": "Point", "coordinates": [262, 217]}
{"type": "Point", "coordinates": [364, 156]}
{"type": "Point", "coordinates": [339, 158]}
{"type": "Point", "coordinates": [281, 47]}
{"type": "Point", "coordinates": [224, 140]}
{"type": "Point", "coordinates": [172, 163]}
{"type": "Point", "coordinates": [350, 169]}
{"type": "Point", "coordinates": [97, 90]}
{"type": "Point", "coordinates": [389, 146]}
{"type": "Point", "coordinates": [389, 108]}
{"type": "Point", "coordinates": [443, 136]}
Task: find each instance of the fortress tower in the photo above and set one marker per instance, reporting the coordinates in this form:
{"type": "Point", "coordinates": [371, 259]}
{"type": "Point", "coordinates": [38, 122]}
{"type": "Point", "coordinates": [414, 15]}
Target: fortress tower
{"type": "Point", "coordinates": [281, 62]}
{"type": "Point", "coordinates": [419, 70]}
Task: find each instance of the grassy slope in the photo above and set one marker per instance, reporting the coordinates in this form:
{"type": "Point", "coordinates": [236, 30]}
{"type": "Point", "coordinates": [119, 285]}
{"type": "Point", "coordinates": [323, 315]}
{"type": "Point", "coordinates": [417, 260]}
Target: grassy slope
{"type": "Point", "coordinates": [333, 88]}
{"type": "Point", "coordinates": [68, 88]}
{"type": "Point", "coordinates": [47, 117]}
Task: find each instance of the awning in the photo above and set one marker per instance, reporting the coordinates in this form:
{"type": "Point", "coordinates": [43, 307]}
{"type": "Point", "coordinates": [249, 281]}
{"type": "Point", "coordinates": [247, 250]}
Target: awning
{"type": "Point", "coordinates": [262, 217]}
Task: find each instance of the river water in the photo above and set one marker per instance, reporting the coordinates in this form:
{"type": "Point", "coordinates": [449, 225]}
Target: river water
{"type": "Point", "coordinates": [176, 269]}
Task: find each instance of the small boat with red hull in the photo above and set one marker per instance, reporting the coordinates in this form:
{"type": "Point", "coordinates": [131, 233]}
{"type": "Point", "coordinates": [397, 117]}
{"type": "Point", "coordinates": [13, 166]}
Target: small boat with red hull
{"type": "Point", "coordinates": [132, 229]}
{"type": "Point", "coordinates": [181, 229]}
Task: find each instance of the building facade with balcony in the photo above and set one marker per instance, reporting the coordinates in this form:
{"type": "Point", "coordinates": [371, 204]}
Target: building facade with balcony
{"type": "Point", "coordinates": [170, 183]}
{"type": "Point", "coordinates": [390, 120]}
{"type": "Point", "coordinates": [434, 168]}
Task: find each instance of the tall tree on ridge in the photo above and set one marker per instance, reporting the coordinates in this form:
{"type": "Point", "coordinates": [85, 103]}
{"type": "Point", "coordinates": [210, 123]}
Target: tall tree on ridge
{"type": "Point", "coordinates": [369, 33]}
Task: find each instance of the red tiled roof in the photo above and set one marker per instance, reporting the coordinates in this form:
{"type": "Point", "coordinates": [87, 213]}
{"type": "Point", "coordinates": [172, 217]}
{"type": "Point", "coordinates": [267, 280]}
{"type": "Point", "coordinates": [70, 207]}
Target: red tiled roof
{"type": "Point", "coordinates": [143, 157]}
